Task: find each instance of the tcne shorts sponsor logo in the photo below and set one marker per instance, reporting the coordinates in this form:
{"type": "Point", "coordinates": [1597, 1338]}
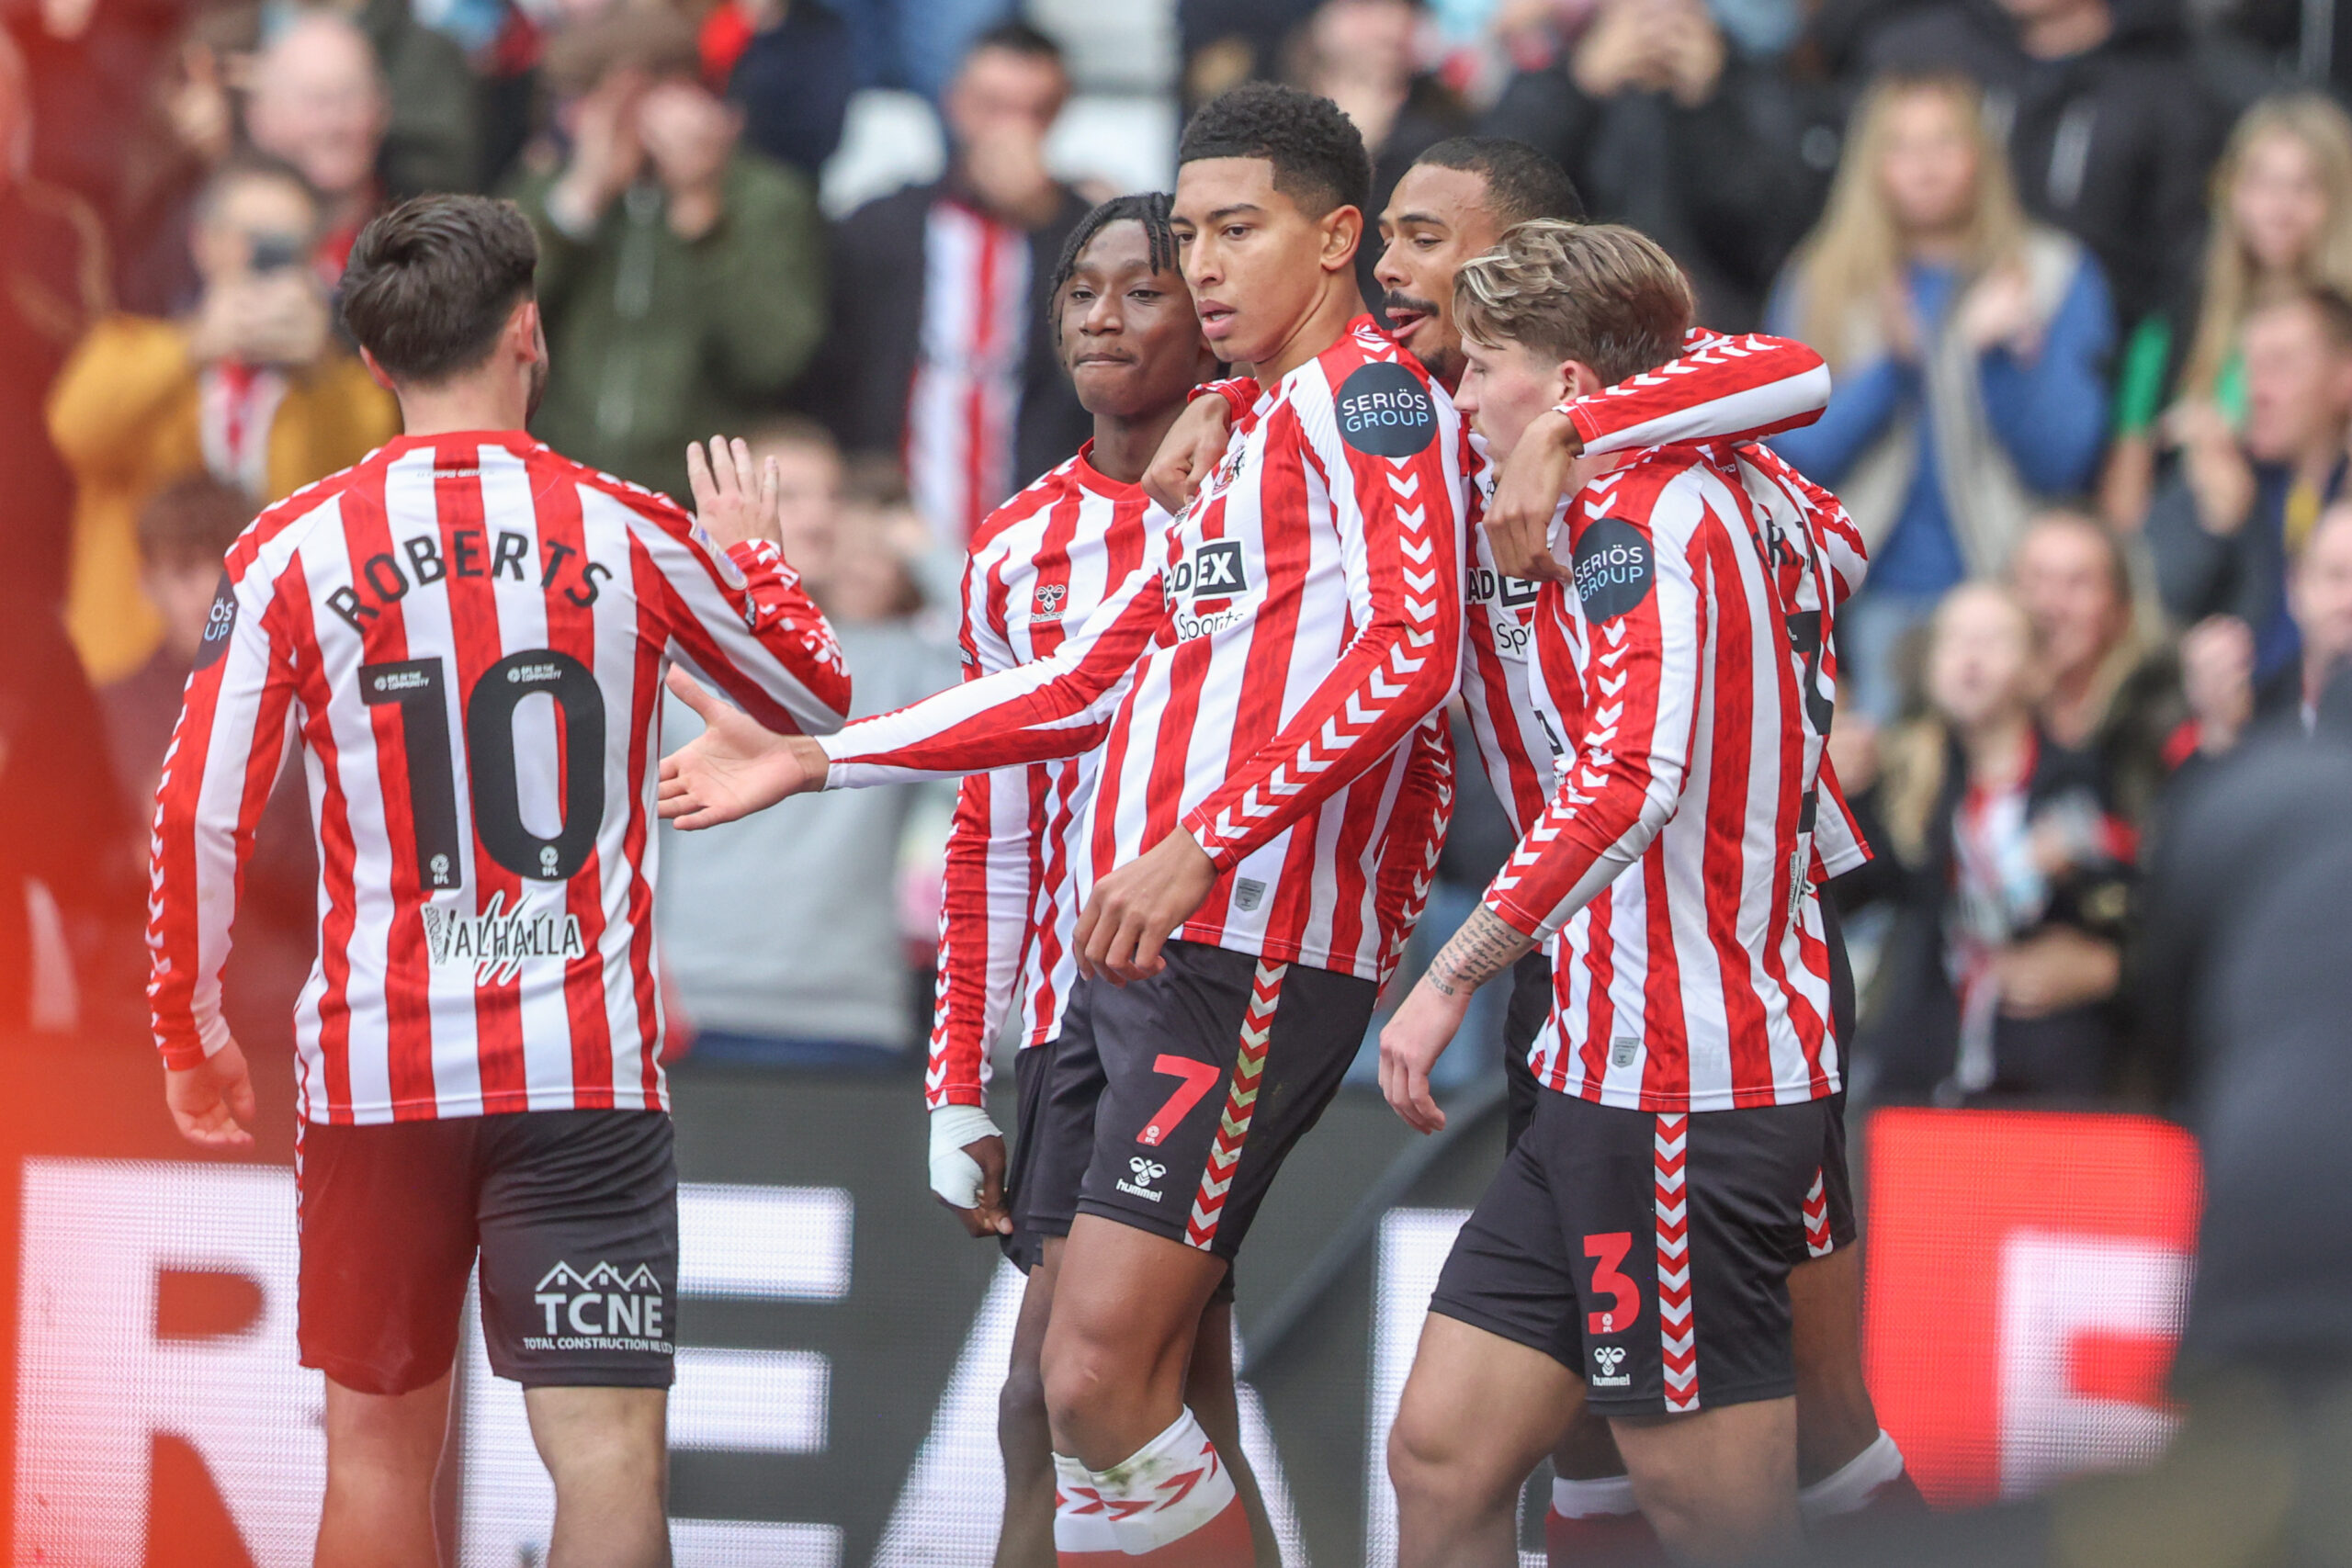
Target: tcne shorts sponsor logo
{"type": "Point", "coordinates": [600, 1309]}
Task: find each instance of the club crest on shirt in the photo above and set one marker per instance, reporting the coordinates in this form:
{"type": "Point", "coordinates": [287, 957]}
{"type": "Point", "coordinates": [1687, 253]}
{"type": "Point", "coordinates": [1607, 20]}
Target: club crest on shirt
{"type": "Point", "coordinates": [496, 942]}
{"type": "Point", "coordinates": [1613, 569]}
{"type": "Point", "coordinates": [1383, 410]}
{"type": "Point", "coordinates": [218, 622]}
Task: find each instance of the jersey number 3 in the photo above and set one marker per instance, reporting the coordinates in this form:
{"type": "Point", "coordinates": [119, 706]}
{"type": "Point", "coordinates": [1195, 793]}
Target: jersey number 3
{"type": "Point", "coordinates": [417, 688]}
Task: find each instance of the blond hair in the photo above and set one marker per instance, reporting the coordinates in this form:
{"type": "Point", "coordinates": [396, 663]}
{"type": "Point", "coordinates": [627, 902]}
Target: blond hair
{"type": "Point", "coordinates": [2232, 275]}
{"type": "Point", "coordinates": [1599, 293]}
{"type": "Point", "coordinates": [1856, 252]}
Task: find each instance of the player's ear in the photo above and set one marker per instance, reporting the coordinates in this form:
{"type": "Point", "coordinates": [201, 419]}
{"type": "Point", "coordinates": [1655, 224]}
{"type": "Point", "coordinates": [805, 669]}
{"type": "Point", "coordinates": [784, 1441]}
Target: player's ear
{"type": "Point", "coordinates": [521, 334]}
{"type": "Point", "coordinates": [1582, 379]}
{"type": "Point", "coordinates": [376, 371]}
{"type": "Point", "coordinates": [1342, 231]}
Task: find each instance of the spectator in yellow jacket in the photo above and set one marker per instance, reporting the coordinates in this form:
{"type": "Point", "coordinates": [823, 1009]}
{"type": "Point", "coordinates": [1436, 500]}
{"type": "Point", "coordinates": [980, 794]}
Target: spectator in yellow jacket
{"type": "Point", "coordinates": [253, 388]}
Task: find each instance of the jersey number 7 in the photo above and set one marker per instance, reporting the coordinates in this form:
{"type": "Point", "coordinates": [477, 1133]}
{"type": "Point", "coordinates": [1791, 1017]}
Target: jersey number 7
{"type": "Point", "coordinates": [417, 688]}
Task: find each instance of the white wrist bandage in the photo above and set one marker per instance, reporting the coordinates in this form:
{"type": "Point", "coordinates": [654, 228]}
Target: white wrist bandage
{"type": "Point", "coordinates": [955, 1175]}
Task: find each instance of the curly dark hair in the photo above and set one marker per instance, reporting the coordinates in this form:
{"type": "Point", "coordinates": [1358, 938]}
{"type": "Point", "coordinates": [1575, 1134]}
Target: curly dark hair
{"type": "Point", "coordinates": [1317, 152]}
{"type": "Point", "coordinates": [1148, 207]}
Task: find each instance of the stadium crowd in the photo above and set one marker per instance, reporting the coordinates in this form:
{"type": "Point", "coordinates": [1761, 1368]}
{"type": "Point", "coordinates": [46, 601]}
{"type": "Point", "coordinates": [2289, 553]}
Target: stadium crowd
{"type": "Point", "coordinates": [2082, 270]}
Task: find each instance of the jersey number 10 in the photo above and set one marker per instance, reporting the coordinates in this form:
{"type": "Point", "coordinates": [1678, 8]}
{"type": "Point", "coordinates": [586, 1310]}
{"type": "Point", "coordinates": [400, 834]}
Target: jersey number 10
{"type": "Point", "coordinates": [416, 686]}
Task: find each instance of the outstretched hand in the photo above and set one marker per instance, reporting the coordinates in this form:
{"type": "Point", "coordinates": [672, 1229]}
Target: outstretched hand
{"type": "Point", "coordinates": [734, 501]}
{"type": "Point", "coordinates": [736, 766]}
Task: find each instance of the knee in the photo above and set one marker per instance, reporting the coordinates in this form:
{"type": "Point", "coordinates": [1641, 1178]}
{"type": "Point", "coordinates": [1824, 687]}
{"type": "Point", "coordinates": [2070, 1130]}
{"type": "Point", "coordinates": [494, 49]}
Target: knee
{"type": "Point", "coordinates": [1427, 1468]}
{"type": "Point", "coordinates": [1021, 1406]}
{"type": "Point", "coordinates": [1081, 1380]}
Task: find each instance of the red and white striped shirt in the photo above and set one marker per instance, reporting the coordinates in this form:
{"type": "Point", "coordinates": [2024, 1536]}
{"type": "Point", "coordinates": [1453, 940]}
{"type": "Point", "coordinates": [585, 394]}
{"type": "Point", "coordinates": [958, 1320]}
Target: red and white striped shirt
{"type": "Point", "coordinates": [966, 394]}
{"type": "Point", "coordinates": [466, 636]}
{"type": "Point", "coordinates": [1039, 566]}
{"type": "Point", "coordinates": [1721, 389]}
{"type": "Point", "coordinates": [1675, 861]}
{"type": "Point", "coordinates": [1303, 621]}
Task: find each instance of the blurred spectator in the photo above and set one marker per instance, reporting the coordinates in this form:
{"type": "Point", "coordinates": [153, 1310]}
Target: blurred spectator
{"type": "Point", "coordinates": [433, 139]}
{"type": "Point", "coordinates": [941, 352]}
{"type": "Point", "coordinates": [1967, 345]}
{"type": "Point", "coordinates": [1663, 124]}
{"type": "Point", "coordinates": [2228, 696]}
{"type": "Point", "coordinates": [89, 66]}
{"type": "Point", "coordinates": [253, 388]}
{"type": "Point", "coordinates": [789, 64]}
{"type": "Point", "coordinates": [681, 277]}
{"type": "Point", "coordinates": [317, 102]}
{"type": "Point", "coordinates": [917, 44]}
{"type": "Point", "coordinates": [2282, 219]}
{"type": "Point", "coordinates": [2112, 687]}
{"type": "Point", "coordinates": [1359, 54]}
{"type": "Point", "coordinates": [2240, 506]}
{"type": "Point", "coordinates": [52, 285]}
{"type": "Point", "coordinates": [2108, 129]}
{"type": "Point", "coordinates": [819, 979]}
{"type": "Point", "coordinates": [185, 530]}
{"type": "Point", "coordinates": [191, 129]}
{"type": "Point", "coordinates": [1227, 42]}
{"type": "Point", "coordinates": [2008, 875]}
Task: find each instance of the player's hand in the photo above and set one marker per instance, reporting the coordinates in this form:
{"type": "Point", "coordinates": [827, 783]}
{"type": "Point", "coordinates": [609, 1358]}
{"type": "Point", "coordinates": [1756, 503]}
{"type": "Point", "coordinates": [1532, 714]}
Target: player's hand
{"type": "Point", "coordinates": [732, 500]}
{"type": "Point", "coordinates": [968, 1172]}
{"type": "Point", "coordinates": [211, 1103]}
{"type": "Point", "coordinates": [1188, 453]}
{"type": "Point", "coordinates": [1136, 908]}
{"type": "Point", "coordinates": [736, 766]}
{"type": "Point", "coordinates": [1543, 468]}
{"type": "Point", "coordinates": [1416, 1037]}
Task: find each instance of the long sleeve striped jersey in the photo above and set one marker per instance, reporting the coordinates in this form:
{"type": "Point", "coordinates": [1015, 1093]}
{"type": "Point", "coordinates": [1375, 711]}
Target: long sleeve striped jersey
{"type": "Point", "coordinates": [1675, 861]}
{"type": "Point", "coordinates": [1301, 621]}
{"type": "Point", "coordinates": [463, 638]}
{"type": "Point", "coordinates": [1039, 566]}
{"type": "Point", "coordinates": [1721, 389]}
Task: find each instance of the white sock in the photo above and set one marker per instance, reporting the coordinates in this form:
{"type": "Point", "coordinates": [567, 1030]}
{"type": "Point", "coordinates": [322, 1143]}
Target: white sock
{"type": "Point", "coordinates": [1851, 1486]}
{"type": "Point", "coordinates": [1611, 1494]}
{"type": "Point", "coordinates": [1178, 1478]}
{"type": "Point", "coordinates": [1081, 1522]}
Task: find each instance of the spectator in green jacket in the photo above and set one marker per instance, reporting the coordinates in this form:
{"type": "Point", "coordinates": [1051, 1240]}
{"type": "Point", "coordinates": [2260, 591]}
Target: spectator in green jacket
{"type": "Point", "coordinates": [681, 276]}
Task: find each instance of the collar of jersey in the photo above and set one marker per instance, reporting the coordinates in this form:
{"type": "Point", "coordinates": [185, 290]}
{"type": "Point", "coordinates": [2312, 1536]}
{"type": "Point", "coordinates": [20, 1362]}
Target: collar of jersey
{"type": "Point", "coordinates": [516, 441]}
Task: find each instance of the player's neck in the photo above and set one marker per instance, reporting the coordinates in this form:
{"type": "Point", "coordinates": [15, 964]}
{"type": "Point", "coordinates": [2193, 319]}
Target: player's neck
{"type": "Point", "coordinates": [465, 403]}
{"type": "Point", "coordinates": [1318, 329]}
{"type": "Point", "coordinates": [1125, 447]}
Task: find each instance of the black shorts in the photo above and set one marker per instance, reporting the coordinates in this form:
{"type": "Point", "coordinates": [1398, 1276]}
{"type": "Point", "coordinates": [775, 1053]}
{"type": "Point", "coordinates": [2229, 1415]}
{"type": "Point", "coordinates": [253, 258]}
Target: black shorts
{"type": "Point", "coordinates": [1647, 1254]}
{"type": "Point", "coordinates": [1058, 1084]}
{"type": "Point", "coordinates": [1214, 1069]}
{"type": "Point", "coordinates": [574, 1214]}
{"type": "Point", "coordinates": [1830, 1220]}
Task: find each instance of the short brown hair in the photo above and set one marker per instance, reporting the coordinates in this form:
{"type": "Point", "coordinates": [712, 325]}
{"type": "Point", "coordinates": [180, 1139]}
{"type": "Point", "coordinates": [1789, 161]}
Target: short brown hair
{"type": "Point", "coordinates": [1599, 293]}
{"type": "Point", "coordinates": [431, 283]}
{"type": "Point", "coordinates": [192, 522]}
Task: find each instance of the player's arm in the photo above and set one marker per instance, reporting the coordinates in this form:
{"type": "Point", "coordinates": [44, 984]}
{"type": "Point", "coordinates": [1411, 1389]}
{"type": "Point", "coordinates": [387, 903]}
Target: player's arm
{"type": "Point", "coordinates": [1721, 389]}
{"type": "Point", "coordinates": [231, 736]}
{"type": "Point", "coordinates": [732, 606]}
{"type": "Point", "coordinates": [1398, 521]}
{"type": "Point", "coordinates": [1624, 780]}
{"type": "Point", "coordinates": [990, 888]}
{"type": "Point", "coordinates": [1055, 706]}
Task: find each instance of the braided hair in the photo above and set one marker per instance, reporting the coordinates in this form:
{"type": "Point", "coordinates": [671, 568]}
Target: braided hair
{"type": "Point", "coordinates": [1148, 207]}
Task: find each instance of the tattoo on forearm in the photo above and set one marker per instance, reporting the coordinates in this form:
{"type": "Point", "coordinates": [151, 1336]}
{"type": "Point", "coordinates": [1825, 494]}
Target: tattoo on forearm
{"type": "Point", "coordinates": [1482, 949]}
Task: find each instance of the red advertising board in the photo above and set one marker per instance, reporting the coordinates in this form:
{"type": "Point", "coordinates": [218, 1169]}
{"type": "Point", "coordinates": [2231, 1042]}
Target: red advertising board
{"type": "Point", "coordinates": [2028, 1276]}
